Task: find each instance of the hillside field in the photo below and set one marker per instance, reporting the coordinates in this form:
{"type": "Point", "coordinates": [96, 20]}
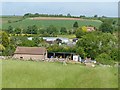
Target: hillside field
{"type": "Point", "coordinates": [29, 74]}
{"type": "Point", "coordinates": [41, 23]}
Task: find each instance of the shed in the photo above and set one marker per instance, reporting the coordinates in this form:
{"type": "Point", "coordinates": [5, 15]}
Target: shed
{"type": "Point", "coordinates": [34, 53]}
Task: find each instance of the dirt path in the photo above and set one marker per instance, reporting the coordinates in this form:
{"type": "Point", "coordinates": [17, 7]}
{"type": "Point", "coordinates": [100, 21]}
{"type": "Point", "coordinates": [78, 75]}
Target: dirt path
{"type": "Point", "coordinates": [54, 18]}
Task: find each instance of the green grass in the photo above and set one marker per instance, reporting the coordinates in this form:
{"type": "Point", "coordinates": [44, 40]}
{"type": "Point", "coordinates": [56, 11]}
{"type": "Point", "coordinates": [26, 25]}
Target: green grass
{"type": "Point", "coordinates": [45, 23]}
{"type": "Point", "coordinates": [28, 74]}
{"type": "Point", "coordinates": [0, 74]}
{"type": "Point", "coordinates": [5, 19]}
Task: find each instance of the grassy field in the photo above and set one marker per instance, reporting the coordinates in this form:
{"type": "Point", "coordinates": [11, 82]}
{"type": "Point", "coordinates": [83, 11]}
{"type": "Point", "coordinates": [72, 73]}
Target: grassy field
{"type": "Point", "coordinates": [0, 74]}
{"type": "Point", "coordinates": [28, 74]}
{"type": "Point", "coordinates": [44, 23]}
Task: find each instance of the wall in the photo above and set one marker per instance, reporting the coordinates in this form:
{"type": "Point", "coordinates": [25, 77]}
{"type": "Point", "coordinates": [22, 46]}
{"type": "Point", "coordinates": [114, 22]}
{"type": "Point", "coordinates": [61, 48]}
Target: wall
{"type": "Point", "coordinates": [27, 57]}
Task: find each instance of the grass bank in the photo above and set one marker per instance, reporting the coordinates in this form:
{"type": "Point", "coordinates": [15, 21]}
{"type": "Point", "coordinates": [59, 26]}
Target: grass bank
{"type": "Point", "coordinates": [28, 74]}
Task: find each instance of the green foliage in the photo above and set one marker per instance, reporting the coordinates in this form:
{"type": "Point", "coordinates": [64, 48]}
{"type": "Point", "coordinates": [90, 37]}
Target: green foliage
{"type": "Point", "coordinates": [52, 30]}
{"type": "Point", "coordinates": [10, 29]}
{"type": "Point", "coordinates": [95, 16]}
{"type": "Point", "coordinates": [9, 50]}
{"type": "Point", "coordinates": [63, 30]}
{"type": "Point", "coordinates": [79, 33]}
{"type": "Point", "coordinates": [68, 15]}
{"type": "Point", "coordinates": [106, 27]}
{"type": "Point", "coordinates": [2, 47]}
{"type": "Point", "coordinates": [95, 43]}
{"type": "Point", "coordinates": [104, 59]}
{"type": "Point", "coordinates": [17, 31]}
{"type": "Point", "coordinates": [36, 40]}
{"type": "Point", "coordinates": [57, 48]}
{"type": "Point", "coordinates": [81, 52]}
{"type": "Point", "coordinates": [5, 39]}
{"type": "Point", "coordinates": [75, 25]}
{"type": "Point", "coordinates": [32, 29]}
{"type": "Point", "coordinates": [28, 43]}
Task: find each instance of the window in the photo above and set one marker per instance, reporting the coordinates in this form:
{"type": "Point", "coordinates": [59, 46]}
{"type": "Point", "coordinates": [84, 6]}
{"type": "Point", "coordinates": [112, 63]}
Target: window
{"type": "Point", "coordinates": [21, 57]}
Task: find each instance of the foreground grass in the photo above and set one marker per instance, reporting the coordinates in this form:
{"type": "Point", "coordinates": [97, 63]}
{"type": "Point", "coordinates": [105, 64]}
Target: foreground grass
{"type": "Point", "coordinates": [28, 74]}
{"type": "Point", "coordinates": [0, 74]}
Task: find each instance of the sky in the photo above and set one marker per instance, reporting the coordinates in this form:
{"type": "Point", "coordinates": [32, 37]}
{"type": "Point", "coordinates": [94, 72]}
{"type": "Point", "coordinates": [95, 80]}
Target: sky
{"type": "Point", "coordinates": [109, 9]}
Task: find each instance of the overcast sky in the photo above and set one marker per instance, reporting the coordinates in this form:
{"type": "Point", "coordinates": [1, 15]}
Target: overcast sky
{"type": "Point", "coordinates": [74, 8]}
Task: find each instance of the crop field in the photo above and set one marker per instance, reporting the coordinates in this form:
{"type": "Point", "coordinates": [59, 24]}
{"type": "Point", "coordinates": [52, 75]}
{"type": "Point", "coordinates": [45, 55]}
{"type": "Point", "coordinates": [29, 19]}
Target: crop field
{"type": "Point", "coordinates": [29, 74]}
{"type": "Point", "coordinates": [5, 19]}
{"type": "Point", "coordinates": [43, 23]}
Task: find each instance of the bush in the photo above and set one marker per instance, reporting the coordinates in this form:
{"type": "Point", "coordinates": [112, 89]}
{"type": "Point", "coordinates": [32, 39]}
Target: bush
{"type": "Point", "coordinates": [104, 59]}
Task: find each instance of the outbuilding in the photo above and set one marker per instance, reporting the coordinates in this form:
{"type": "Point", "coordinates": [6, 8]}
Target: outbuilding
{"type": "Point", "coordinates": [34, 53]}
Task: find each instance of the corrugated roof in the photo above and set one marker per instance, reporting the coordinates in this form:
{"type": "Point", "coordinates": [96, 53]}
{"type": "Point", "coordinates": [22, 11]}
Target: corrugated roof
{"type": "Point", "coordinates": [30, 50]}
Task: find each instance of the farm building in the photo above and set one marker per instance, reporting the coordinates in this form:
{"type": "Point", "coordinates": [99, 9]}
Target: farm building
{"type": "Point", "coordinates": [34, 53]}
{"type": "Point", "coordinates": [61, 55]}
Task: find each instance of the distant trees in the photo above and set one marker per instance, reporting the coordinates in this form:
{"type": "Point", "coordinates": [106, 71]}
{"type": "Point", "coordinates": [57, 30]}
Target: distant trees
{"type": "Point", "coordinates": [82, 16]}
{"type": "Point", "coordinates": [48, 15]}
{"type": "Point", "coordinates": [68, 15]}
{"type": "Point", "coordinates": [95, 16]}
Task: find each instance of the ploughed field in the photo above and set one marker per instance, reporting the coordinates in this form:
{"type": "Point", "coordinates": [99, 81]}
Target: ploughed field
{"type": "Point", "coordinates": [29, 74]}
{"type": "Point", "coordinates": [43, 22]}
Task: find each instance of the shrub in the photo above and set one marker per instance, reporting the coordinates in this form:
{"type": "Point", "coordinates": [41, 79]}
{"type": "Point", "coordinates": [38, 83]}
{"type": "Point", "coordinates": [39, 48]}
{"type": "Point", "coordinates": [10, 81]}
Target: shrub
{"type": "Point", "coordinates": [104, 59]}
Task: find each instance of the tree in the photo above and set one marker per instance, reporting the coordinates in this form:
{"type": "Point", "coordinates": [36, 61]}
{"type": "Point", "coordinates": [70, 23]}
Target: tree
{"type": "Point", "coordinates": [104, 59]}
{"type": "Point", "coordinates": [17, 31]}
{"type": "Point", "coordinates": [80, 32]}
{"type": "Point", "coordinates": [84, 28]}
{"type": "Point", "coordinates": [9, 50]}
{"type": "Point", "coordinates": [68, 15]}
{"type": "Point", "coordinates": [75, 25]}
{"type": "Point", "coordinates": [10, 29]}
{"type": "Point", "coordinates": [32, 29]}
{"type": "Point", "coordinates": [2, 47]}
{"type": "Point", "coordinates": [63, 30]}
{"type": "Point", "coordinates": [96, 43]}
{"type": "Point", "coordinates": [5, 39]}
{"type": "Point", "coordinates": [27, 15]}
{"type": "Point", "coordinates": [36, 40]}
{"type": "Point", "coordinates": [81, 52]}
{"type": "Point", "coordinates": [52, 30]}
{"type": "Point", "coordinates": [82, 16]}
{"type": "Point", "coordinates": [106, 27]}
{"type": "Point", "coordinates": [36, 14]}
{"type": "Point", "coordinates": [95, 16]}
